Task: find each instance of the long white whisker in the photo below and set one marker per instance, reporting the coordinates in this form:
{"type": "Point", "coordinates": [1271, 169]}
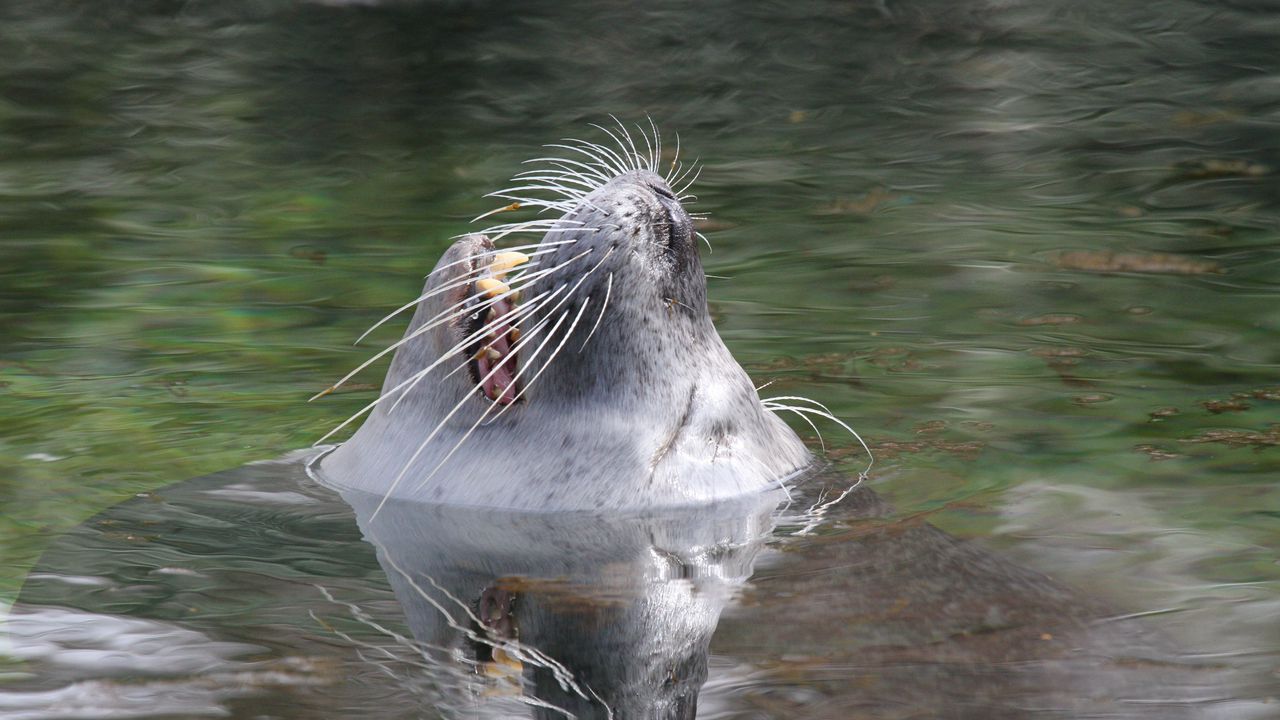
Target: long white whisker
{"type": "Point", "coordinates": [684, 173]}
{"type": "Point", "coordinates": [505, 208]}
{"type": "Point", "coordinates": [563, 300]}
{"type": "Point", "coordinates": [777, 407]}
{"type": "Point", "coordinates": [534, 202]}
{"type": "Point", "coordinates": [579, 170]}
{"type": "Point", "coordinates": [648, 146]}
{"type": "Point", "coordinates": [520, 371]}
{"type": "Point", "coordinates": [606, 155]}
{"type": "Point", "coordinates": [636, 159]}
{"type": "Point", "coordinates": [592, 168]}
{"type": "Point", "coordinates": [486, 253]}
{"type": "Point", "coordinates": [525, 310]}
{"type": "Point", "coordinates": [604, 168]}
{"type": "Point", "coordinates": [683, 192]}
{"type": "Point", "coordinates": [408, 383]}
{"type": "Point", "coordinates": [533, 224]}
{"type": "Point", "coordinates": [542, 225]}
{"type": "Point", "coordinates": [465, 280]}
{"type": "Point", "coordinates": [439, 426]}
{"type": "Point", "coordinates": [621, 146]}
{"type": "Point", "coordinates": [561, 175]}
{"type": "Point", "coordinates": [657, 143]}
{"type": "Point", "coordinates": [575, 178]}
{"type": "Point", "coordinates": [428, 326]}
{"type": "Point", "coordinates": [586, 167]}
{"type": "Point", "coordinates": [552, 183]}
{"type": "Point", "coordinates": [675, 159]}
{"type": "Point", "coordinates": [608, 290]}
{"type": "Point", "coordinates": [705, 240]}
{"type": "Point", "coordinates": [500, 231]}
{"type": "Point", "coordinates": [521, 188]}
{"type": "Point", "coordinates": [513, 317]}
{"type": "Point", "coordinates": [825, 412]}
{"type": "Point", "coordinates": [524, 653]}
{"type": "Point", "coordinates": [538, 326]}
{"type": "Point", "coordinates": [568, 333]}
{"type": "Point", "coordinates": [618, 164]}
{"type": "Point", "coordinates": [635, 152]}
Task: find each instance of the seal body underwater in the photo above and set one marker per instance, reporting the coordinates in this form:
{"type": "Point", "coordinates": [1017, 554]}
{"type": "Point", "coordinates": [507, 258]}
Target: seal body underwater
{"type": "Point", "coordinates": [599, 360]}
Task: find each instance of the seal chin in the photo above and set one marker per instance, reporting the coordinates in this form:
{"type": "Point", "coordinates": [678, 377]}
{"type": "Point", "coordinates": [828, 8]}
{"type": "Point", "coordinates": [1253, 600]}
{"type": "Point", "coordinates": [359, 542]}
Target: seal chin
{"type": "Point", "coordinates": [580, 372]}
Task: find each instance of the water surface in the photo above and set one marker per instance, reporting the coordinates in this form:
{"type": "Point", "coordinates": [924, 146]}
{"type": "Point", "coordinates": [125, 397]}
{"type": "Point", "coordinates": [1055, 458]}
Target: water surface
{"type": "Point", "coordinates": [1028, 249]}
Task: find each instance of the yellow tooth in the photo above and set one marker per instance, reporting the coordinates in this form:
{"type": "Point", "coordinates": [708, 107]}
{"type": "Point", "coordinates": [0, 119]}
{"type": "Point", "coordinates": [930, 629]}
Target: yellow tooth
{"type": "Point", "coordinates": [493, 354]}
{"type": "Point", "coordinates": [500, 657]}
{"type": "Point", "coordinates": [514, 334]}
{"type": "Point", "coordinates": [503, 262]}
{"type": "Point", "coordinates": [492, 288]}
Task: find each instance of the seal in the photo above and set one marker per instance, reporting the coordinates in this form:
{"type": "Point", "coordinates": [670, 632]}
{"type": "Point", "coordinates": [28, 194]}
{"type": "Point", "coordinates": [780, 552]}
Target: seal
{"type": "Point", "coordinates": [596, 358]}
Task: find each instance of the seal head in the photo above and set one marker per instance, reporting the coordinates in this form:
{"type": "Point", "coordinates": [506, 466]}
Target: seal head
{"type": "Point", "coordinates": [593, 379]}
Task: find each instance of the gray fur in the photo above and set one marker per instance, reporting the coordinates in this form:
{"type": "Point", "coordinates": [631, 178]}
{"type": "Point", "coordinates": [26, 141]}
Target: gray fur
{"type": "Point", "coordinates": [654, 402]}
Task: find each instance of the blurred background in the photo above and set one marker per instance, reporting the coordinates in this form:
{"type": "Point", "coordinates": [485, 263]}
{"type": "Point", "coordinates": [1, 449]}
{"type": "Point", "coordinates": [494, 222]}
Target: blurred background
{"type": "Point", "coordinates": [1028, 249]}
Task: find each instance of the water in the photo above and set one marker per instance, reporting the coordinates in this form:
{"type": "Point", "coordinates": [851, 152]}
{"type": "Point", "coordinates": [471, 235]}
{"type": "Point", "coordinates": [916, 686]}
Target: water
{"type": "Point", "coordinates": [1028, 249]}
{"type": "Point", "coordinates": [752, 608]}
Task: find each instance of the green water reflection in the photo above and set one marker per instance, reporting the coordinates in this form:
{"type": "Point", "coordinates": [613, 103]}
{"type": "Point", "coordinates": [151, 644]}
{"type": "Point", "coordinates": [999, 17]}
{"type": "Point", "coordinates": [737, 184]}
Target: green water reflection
{"type": "Point", "coordinates": [1028, 249]}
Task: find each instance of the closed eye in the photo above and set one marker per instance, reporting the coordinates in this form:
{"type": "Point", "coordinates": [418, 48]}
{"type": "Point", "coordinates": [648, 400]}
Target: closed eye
{"type": "Point", "coordinates": [664, 192]}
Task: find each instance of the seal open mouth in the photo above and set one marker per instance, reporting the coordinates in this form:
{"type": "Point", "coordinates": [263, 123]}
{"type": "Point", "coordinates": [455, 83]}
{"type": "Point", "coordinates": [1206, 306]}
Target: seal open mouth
{"type": "Point", "coordinates": [494, 363]}
{"type": "Point", "coordinates": [599, 341]}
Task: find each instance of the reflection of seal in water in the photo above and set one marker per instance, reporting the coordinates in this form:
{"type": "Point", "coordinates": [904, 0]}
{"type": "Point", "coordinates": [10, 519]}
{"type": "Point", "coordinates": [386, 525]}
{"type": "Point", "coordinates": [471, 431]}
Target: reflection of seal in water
{"type": "Point", "coordinates": [583, 614]}
{"type": "Point", "coordinates": [598, 359]}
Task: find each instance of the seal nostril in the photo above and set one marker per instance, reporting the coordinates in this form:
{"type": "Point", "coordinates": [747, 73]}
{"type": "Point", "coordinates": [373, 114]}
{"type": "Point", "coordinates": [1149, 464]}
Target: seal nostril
{"type": "Point", "coordinates": [671, 228]}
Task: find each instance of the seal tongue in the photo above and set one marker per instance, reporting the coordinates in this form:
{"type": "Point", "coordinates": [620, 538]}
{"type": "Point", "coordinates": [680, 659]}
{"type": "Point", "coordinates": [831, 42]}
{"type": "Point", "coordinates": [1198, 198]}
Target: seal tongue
{"type": "Point", "coordinates": [500, 387]}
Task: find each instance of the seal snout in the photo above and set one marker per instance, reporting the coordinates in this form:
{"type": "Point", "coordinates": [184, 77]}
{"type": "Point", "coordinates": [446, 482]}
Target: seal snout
{"type": "Point", "coordinates": [649, 200]}
{"type": "Point", "coordinates": [676, 229]}
{"type": "Point", "coordinates": [593, 351]}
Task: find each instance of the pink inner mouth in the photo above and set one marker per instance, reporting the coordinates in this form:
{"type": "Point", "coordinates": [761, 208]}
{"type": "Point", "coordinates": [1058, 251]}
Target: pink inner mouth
{"type": "Point", "coordinates": [495, 352]}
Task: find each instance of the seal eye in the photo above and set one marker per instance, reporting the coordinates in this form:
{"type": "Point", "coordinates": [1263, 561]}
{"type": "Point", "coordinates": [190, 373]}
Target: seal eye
{"type": "Point", "coordinates": [663, 192]}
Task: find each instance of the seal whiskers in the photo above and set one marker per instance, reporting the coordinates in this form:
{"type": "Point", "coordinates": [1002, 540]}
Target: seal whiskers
{"type": "Point", "coordinates": [821, 411]}
{"type": "Point", "coordinates": [529, 337]}
{"type": "Point", "coordinates": [401, 389]}
{"type": "Point", "coordinates": [491, 406]}
{"type": "Point", "coordinates": [460, 283]}
{"type": "Point", "coordinates": [608, 291]}
{"type": "Point", "coordinates": [485, 414]}
{"type": "Point", "coordinates": [451, 314]}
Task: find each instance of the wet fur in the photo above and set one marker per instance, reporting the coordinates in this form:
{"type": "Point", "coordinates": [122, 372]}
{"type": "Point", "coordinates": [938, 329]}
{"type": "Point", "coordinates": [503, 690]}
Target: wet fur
{"type": "Point", "coordinates": [648, 394]}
